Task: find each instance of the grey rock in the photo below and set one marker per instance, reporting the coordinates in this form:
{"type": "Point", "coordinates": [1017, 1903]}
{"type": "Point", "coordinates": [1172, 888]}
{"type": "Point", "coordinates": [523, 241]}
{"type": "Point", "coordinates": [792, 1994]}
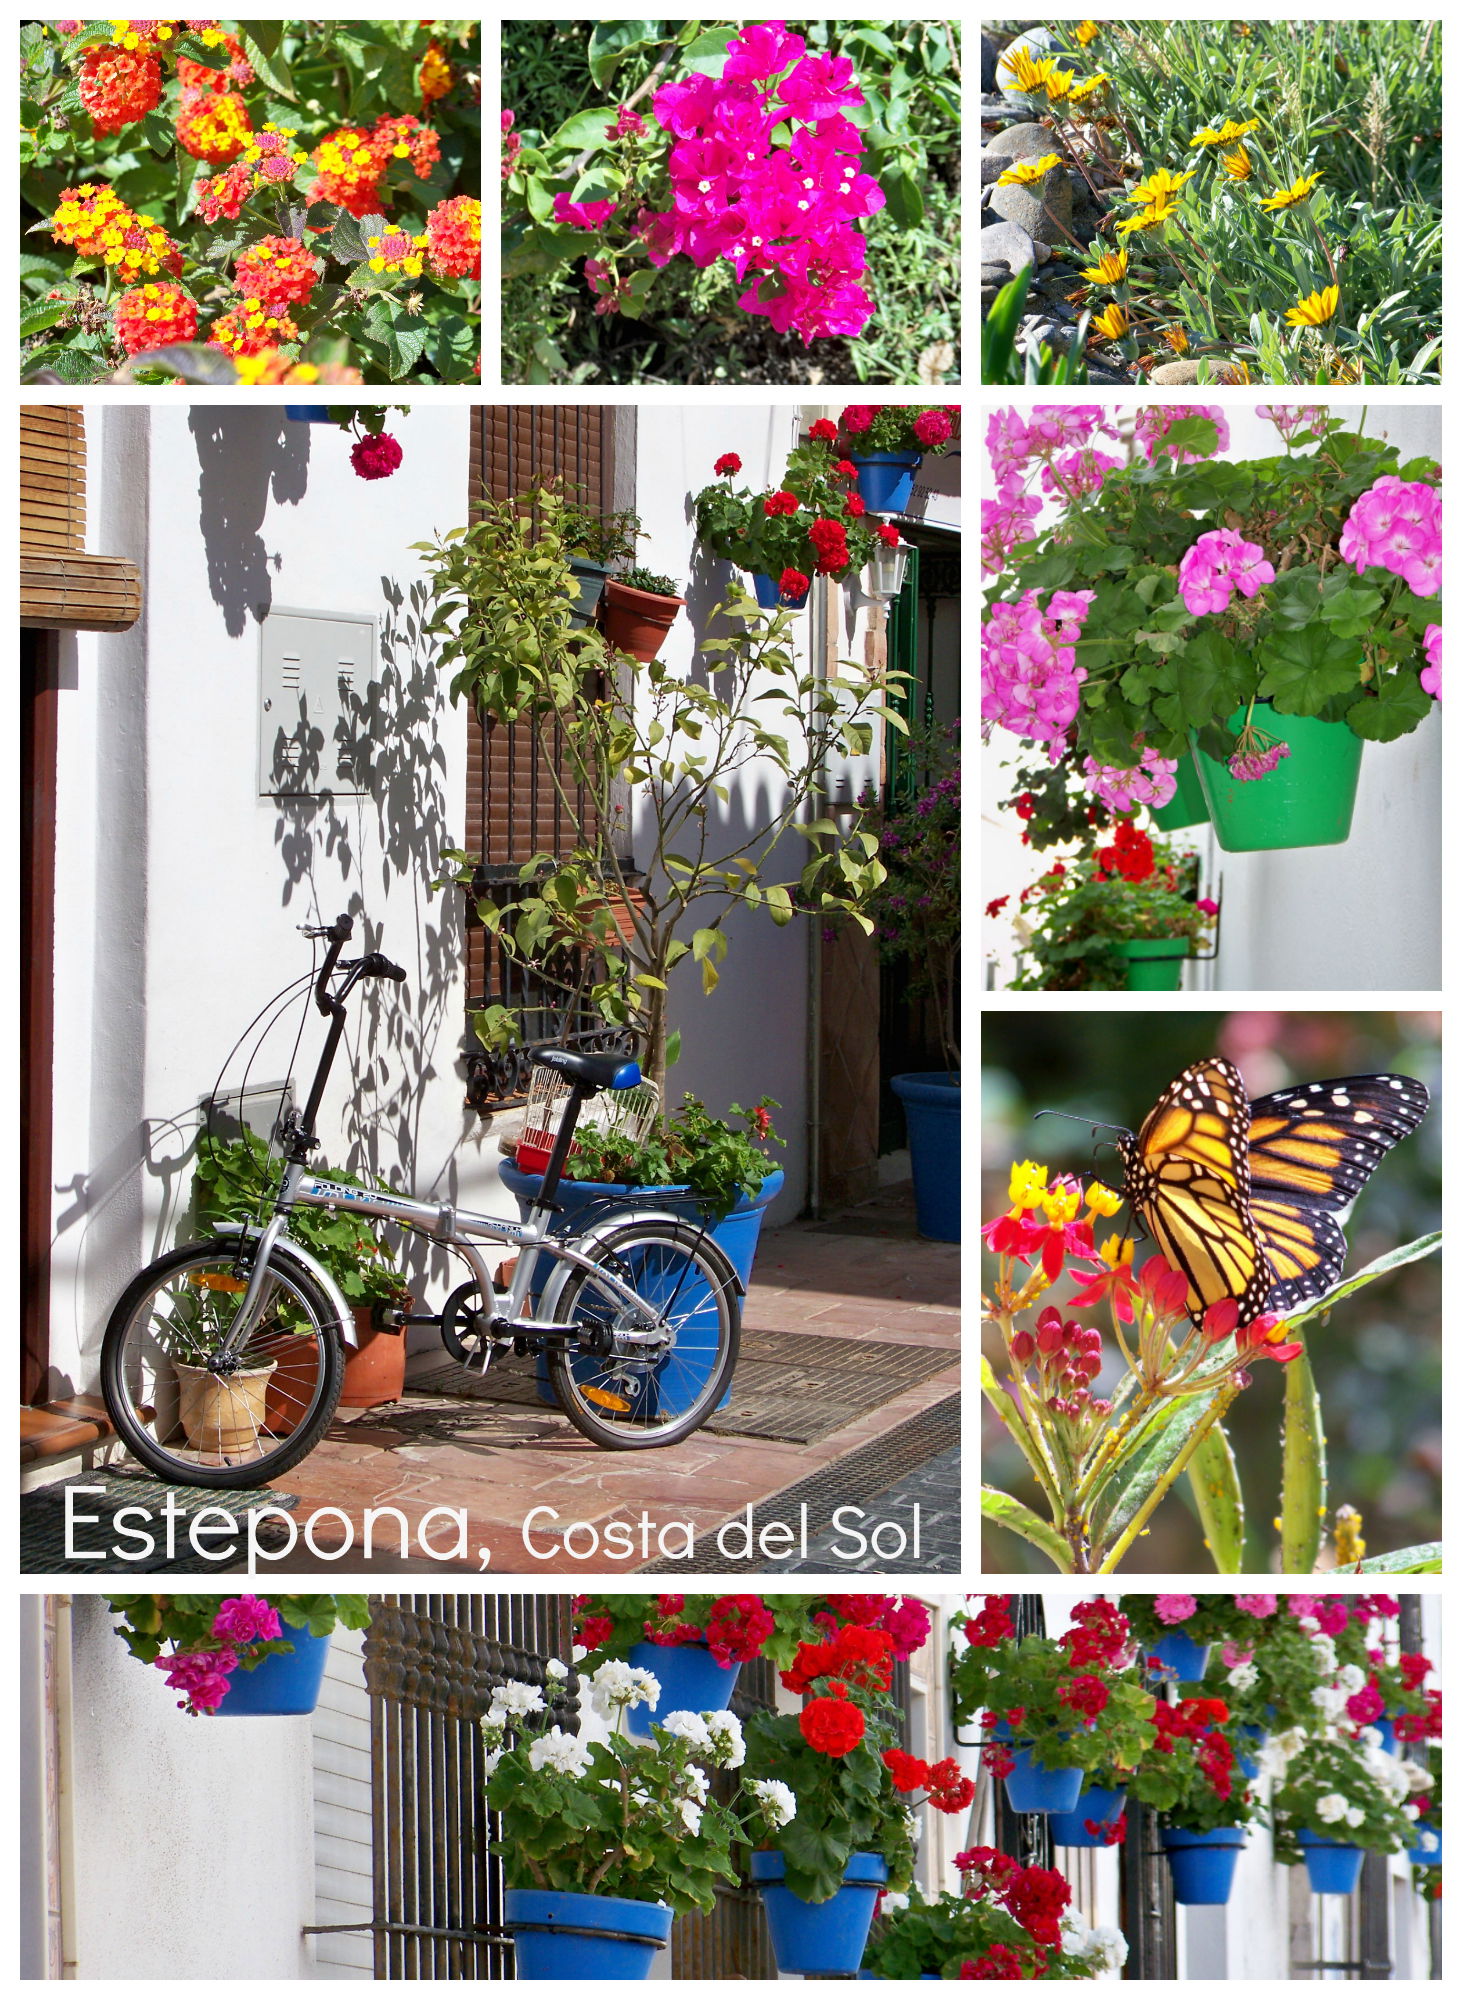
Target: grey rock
{"type": "Point", "coordinates": [989, 57]}
{"type": "Point", "coordinates": [1174, 374]}
{"type": "Point", "coordinates": [1035, 42]}
{"type": "Point", "coordinates": [1006, 247]}
{"type": "Point", "coordinates": [1019, 142]}
{"type": "Point", "coordinates": [1041, 210]}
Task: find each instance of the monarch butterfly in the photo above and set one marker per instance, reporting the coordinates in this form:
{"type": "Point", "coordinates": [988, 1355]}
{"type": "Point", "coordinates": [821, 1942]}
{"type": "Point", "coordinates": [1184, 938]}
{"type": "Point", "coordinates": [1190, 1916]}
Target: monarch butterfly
{"type": "Point", "coordinates": [1247, 1199]}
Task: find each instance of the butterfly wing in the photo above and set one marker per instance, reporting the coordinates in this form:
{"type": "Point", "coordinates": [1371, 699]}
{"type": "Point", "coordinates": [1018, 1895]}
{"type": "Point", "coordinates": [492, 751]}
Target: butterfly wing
{"type": "Point", "coordinates": [1311, 1151]}
{"type": "Point", "coordinates": [1188, 1178]}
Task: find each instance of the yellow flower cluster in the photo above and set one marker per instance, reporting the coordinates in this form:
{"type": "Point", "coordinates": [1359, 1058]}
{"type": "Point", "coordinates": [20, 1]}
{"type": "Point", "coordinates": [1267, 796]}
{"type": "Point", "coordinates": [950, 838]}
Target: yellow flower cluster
{"type": "Point", "coordinates": [251, 328]}
{"type": "Point", "coordinates": [397, 251]}
{"type": "Point", "coordinates": [95, 223]}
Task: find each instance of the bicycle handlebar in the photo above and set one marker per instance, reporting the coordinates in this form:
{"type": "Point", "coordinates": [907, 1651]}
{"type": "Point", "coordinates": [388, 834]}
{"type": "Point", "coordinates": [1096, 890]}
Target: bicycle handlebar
{"type": "Point", "coordinates": [375, 965]}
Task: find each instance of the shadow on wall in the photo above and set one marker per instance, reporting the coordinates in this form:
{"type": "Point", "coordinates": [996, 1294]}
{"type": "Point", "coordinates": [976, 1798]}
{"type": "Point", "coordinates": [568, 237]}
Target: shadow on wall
{"type": "Point", "coordinates": [243, 464]}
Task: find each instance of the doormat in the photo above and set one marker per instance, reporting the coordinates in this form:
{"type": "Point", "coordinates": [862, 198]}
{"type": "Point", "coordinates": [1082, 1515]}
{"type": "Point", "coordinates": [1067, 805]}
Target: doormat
{"type": "Point", "coordinates": [796, 1388]}
{"type": "Point", "coordinates": [103, 1494]}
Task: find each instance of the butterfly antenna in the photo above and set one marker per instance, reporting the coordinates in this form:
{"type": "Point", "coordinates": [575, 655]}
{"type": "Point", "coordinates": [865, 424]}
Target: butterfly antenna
{"type": "Point", "coordinates": [1095, 1124]}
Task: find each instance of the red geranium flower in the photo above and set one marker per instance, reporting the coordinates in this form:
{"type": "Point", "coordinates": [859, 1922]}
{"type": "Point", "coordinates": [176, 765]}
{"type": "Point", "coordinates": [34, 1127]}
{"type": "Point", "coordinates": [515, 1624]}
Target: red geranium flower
{"type": "Point", "coordinates": [728, 462]}
{"type": "Point", "coordinates": [831, 1726]}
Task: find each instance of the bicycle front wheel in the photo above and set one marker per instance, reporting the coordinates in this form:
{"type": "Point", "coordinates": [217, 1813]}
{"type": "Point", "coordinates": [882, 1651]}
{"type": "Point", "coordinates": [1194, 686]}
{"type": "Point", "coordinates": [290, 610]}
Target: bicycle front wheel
{"type": "Point", "coordinates": [236, 1427]}
{"type": "Point", "coordinates": [637, 1395]}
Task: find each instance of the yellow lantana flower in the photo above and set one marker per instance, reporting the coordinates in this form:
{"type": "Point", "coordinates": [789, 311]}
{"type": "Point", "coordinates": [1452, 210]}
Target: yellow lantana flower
{"type": "Point", "coordinates": [1023, 173]}
{"type": "Point", "coordinates": [1109, 269]}
{"type": "Point", "coordinates": [1316, 309]}
{"type": "Point", "coordinates": [1225, 134]}
{"type": "Point", "coordinates": [1294, 194]}
{"type": "Point", "coordinates": [1113, 322]}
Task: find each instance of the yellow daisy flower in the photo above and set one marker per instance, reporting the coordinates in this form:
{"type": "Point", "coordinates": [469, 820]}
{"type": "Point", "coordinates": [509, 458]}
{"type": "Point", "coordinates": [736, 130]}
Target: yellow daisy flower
{"type": "Point", "coordinates": [1109, 269]}
{"type": "Point", "coordinates": [1176, 339]}
{"type": "Point", "coordinates": [1087, 32]}
{"type": "Point", "coordinates": [1226, 133]}
{"type": "Point", "coordinates": [1150, 217]}
{"type": "Point", "coordinates": [1024, 173]}
{"type": "Point", "coordinates": [1237, 164]}
{"type": "Point", "coordinates": [1292, 196]}
{"type": "Point", "coordinates": [1113, 322]}
{"type": "Point", "coordinates": [1058, 83]}
{"type": "Point", "coordinates": [1025, 72]}
{"type": "Point", "coordinates": [1161, 186]}
{"type": "Point", "coordinates": [1089, 86]}
{"type": "Point", "coordinates": [1316, 309]}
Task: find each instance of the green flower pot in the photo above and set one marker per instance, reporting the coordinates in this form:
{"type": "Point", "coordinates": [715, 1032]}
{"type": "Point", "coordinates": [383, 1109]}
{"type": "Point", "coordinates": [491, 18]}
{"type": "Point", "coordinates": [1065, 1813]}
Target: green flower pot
{"type": "Point", "coordinates": [1154, 965]}
{"type": "Point", "coordinates": [1306, 801]}
{"type": "Point", "coordinates": [1187, 806]}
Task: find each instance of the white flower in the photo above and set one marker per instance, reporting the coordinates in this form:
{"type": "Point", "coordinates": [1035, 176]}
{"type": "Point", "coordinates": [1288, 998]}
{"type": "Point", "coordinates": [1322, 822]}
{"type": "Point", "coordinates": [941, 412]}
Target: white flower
{"type": "Point", "coordinates": [1355, 1817]}
{"type": "Point", "coordinates": [778, 1801]}
{"type": "Point", "coordinates": [1369, 1739]}
{"type": "Point", "coordinates": [616, 1685]}
{"type": "Point", "coordinates": [1331, 1808]}
{"type": "Point", "coordinates": [1329, 1701]}
{"type": "Point", "coordinates": [1418, 1778]}
{"type": "Point", "coordinates": [491, 1761]}
{"type": "Point", "coordinates": [1107, 1946]}
{"type": "Point", "coordinates": [1412, 1812]}
{"type": "Point", "coordinates": [1073, 1930]}
{"type": "Point", "coordinates": [555, 1670]}
{"type": "Point", "coordinates": [516, 1698]}
{"type": "Point", "coordinates": [1309, 1626]}
{"type": "Point", "coordinates": [690, 1813]}
{"type": "Point", "coordinates": [1243, 1675]}
{"type": "Point", "coordinates": [915, 1824]}
{"type": "Point", "coordinates": [729, 1745]}
{"type": "Point", "coordinates": [1323, 1648]}
{"type": "Point", "coordinates": [565, 1753]}
{"type": "Point", "coordinates": [696, 1785]}
{"type": "Point", "coordinates": [893, 1902]}
{"type": "Point", "coordinates": [689, 1728]}
{"type": "Point", "coordinates": [1351, 1679]}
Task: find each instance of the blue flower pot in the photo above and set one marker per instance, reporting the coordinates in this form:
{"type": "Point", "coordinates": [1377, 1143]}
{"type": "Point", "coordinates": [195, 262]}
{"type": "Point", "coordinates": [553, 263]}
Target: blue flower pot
{"type": "Point", "coordinates": [1102, 1805]}
{"type": "Point", "coordinates": [1256, 1738]}
{"type": "Point", "coordinates": [737, 1234]}
{"type": "Point", "coordinates": [307, 413]}
{"type": "Point", "coordinates": [689, 1679]}
{"type": "Point", "coordinates": [1183, 1657]}
{"type": "Point", "coordinates": [886, 479]}
{"type": "Point", "coordinates": [282, 1683]}
{"type": "Point", "coordinates": [1031, 1788]}
{"type": "Point", "coordinates": [821, 1939]}
{"type": "Point", "coordinates": [1334, 1865]}
{"type": "Point", "coordinates": [1202, 1865]}
{"type": "Point", "coordinates": [770, 598]}
{"type": "Point", "coordinates": [561, 1935]}
{"type": "Point", "coordinates": [1427, 1852]}
{"type": "Point", "coordinates": [931, 1111]}
{"type": "Point", "coordinates": [589, 581]}
{"type": "Point", "coordinates": [1388, 1733]}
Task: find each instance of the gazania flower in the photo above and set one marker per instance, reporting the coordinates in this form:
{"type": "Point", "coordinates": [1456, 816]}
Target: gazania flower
{"type": "Point", "coordinates": [1024, 173]}
{"type": "Point", "coordinates": [1151, 217]}
{"type": "Point", "coordinates": [1176, 338]}
{"type": "Point", "coordinates": [1026, 72]}
{"type": "Point", "coordinates": [1089, 86]}
{"type": "Point", "coordinates": [1087, 32]}
{"type": "Point", "coordinates": [1226, 134]}
{"type": "Point", "coordinates": [1293, 195]}
{"type": "Point", "coordinates": [1109, 269]}
{"type": "Point", "coordinates": [1113, 322]}
{"type": "Point", "coordinates": [1159, 187]}
{"type": "Point", "coordinates": [1237, 164]}
{"type": "Point", "coordinates": [1317, 309]}
{"type": "Point", "coordinates": [1058, 84]}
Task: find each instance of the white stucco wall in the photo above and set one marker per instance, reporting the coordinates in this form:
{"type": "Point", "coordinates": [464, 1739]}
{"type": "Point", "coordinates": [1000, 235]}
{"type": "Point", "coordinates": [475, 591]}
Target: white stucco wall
{"type": "Point", "coordinates": [193, 1853]}
{"type": "Point", "coordinates": [1362, 916]}
{"type": "Point", "coordinates": [179, 887]}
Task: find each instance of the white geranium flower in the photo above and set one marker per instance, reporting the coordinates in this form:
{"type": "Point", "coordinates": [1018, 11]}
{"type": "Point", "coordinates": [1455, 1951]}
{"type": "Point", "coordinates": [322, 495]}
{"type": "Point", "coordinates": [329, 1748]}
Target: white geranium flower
{"type": "Point", "coordinates": [1331, 1808]}
{"type": "Point", "coordinates": [1355, 1817]}
{"type": "Point", "coordinates": [729, 1745]}
{"type": "Point", "coordinates": [1412, 1812]}
{"type": "Point", "coordinates": [491, 1761]}
{"type": "Point", "coordinates": [1323, 1648]}
{"type": "Point", "coordinates": [1108, 1947]}
{"type": "Point", "coordinates": [1351, 1679]}
{"type": "Point", "coordinates": [516, 1698]}
{"type": "Point", "coordinates": [778, 1801]}
{"type": "Point", "coordinates": [555, 1670]}
{"type": "Point", "coordinates": [1243, 1676]}
{"type": "Point", "coordinates": [1330, 1701]}
{"type": "Point", "coordinates": [561, 1751]}
{"type": "Point", "coordinates": [1309, 1626]}
{"type": "Point", "coordinates": [893, 1902]}
{"type": "Point", "coordinates": [616, 1685]}
{"type": "Point", "coordinates": [690, 1814]}
{"type": "Point", "coordinates": [695, 1784]}
{"type": "Point", "coordinates": [689, 1728]}
{"type": "Point", "coordinates": [1418, 1778]}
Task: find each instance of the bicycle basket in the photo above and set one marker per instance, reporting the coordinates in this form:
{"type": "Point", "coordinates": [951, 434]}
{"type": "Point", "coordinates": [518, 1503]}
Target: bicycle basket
{"type": "Point", "coordinates": [628, 1114]}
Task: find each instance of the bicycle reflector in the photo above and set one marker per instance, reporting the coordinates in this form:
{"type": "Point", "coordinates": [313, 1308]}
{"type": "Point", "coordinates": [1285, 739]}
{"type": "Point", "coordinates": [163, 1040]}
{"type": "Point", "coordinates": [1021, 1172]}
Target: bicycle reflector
{"type": "Point", "coordinates": [627, 1076]}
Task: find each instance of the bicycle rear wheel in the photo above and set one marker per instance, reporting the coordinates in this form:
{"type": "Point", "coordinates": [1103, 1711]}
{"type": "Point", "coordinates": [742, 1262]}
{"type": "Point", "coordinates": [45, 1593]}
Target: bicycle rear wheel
{"type": "Point", "coordinates": [636, 1397]}
{"type": "Point", "coordinates": [241, 1427]}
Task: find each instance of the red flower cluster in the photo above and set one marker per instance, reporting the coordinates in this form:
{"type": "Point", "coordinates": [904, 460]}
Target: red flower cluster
{"type": "Point", "coordinates": [948, 1789]}
{"type": "Point", "coordinates": [1192, 1719]}
{"type": "Point", "coordinates": [905, 1619]}
{"type": "Point", "coordinates": [279, 270]}
{"type": "Point", "coordinates": [224, 194]}
{"type": "Point", "coordinates": [1002, 1961]}
{"type": "Point", "coordinates": [595, 1632]}
{"type": "Point", "coordinates": [406, 138]}
{"type": "Point", "coordinates": [860, 1654]}
{"type": "Point", "coordinates": [198, 76]}
{"type": "Point", "coordinates": [1424, 1728]}
{"type": "Point", "coordinates": [1099, 1637]}
{"type": "Point", "coordinates": [991, 1623]}
{"type": "Point", "coordinates": [1414, 1669]}
{"type": "Point", "coordinates": [831, 1725]}
{"type": "Point", "coordinates": [780, 503]}
{"type": "Point", "coordinates": [830, 539]}
{"type": "Point", "coordinates": [454, 237]}
{"type": "Point", "coordinates": [857, 507]}
{"type": "Point", "coordinates": [1085, 1695]}
{"type": "Point", "coordinates": [888, 534]}
{"type": "Point", "coordinates": [1036, 1897]}
{"type": "Point", "coordinates": [1107, 1831]}
{"type": "Point", "coordinates": [737, 1629]}
{"type": "Point", "coordinates": [824, 430]}
{"type": "Point", "coordinates": [154, 316]}
{"type": "Point", "coordinates": [1129, 855]}
{"type": "Point", "coordinates": [667, 1627]}
{"type": "Point", "coordinates": [794, 585]}
{"type": "Point", "coordinates": [118, 86]}
{"type": "Point", "coordinates": [1366, 1704]}
{"type": "Point", "coordinates": [728, 463]}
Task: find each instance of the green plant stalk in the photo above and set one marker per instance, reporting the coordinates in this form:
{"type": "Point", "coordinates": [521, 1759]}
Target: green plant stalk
{"type": "Point", "coordinates": [1030, 1441]}
{"type": "Point", "coordinates": [1135, 1526]}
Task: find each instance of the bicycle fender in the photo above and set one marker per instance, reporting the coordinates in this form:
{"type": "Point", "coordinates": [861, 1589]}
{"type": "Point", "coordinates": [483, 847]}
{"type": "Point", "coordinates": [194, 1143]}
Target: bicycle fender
{"type": "Point", "coordinates": [290, 1251]}
{"type": "Point", "coordinates": [603, 1233]}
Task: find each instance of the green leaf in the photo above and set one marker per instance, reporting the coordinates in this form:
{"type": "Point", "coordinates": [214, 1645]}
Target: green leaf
{"type": "Point", "coordinates": [1135, 1471]}
{"type": "Point", "coordinates": [612, 41]}
{"type": "Point", "coordinates": [1300, 670]}
{"type": "Point", "coordinates": [1009, 1513]}
{"type": "Point", "coordinates": [1302, 1501]}
{"type": "Point", "coordinates": [707, 53]}
{"type": "Point", "coordinates": [672, 1048]}
{"type": "Point", "coordinates": [1397, 707]}
{"type": "Point", "coordinates": [269, 65]}
{"type": "Point", "coordinates": [160, 133]}
{"type": "Point", "coordinates": [36, 318]}
{"type": "Point", "coordinates": [905, 202]}
{"type": "Point", "coordinates": [1424, 1559]}
{"type": "Point", "coordinates": [1407, 1253]}
{"type": "Point", "coordinates": [585, 131]}
{"type": "Point", "coordinates": [1214, 1478]}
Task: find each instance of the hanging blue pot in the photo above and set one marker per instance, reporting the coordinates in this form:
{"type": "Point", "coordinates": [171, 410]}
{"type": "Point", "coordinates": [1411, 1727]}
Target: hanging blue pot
{"type": "Point", "coordinates": [689, 1679]}
{"type": "Point", "coordinates": [589, 581]}
{"type": "Point", "coordinates": [282, 1683]}
{"type": "Point", "coordinates": [770, 598]}
{"type": "Point", "coordinates": [1427, 1852]}
{"type": "Point", "coordinates": [1256, 1738]}
{"type": "Point", "coordinates": [1203, 1865]}
{"type": "Point", "coordinates": [1102, 1805]}
{"type": "Point", "coordinates": [931, 1101]}
{"type": "Point", "coordinates": [307, 413]}
{"type": "Point", "coordinates": [821, 1939]}
{"type": "Point", "coordinates": [1183, 1657]}
{"type": "Point", "coordinates": [562, 1935]}
{"type": "Point", "coordinates": [1032, 1788]}
{"type": "Point", "coordinates": [1334, 1865]}
{"type": "Point", "coordinates": [1388, 1733]}
{"type": "Point", "coordinates": [886, 479]}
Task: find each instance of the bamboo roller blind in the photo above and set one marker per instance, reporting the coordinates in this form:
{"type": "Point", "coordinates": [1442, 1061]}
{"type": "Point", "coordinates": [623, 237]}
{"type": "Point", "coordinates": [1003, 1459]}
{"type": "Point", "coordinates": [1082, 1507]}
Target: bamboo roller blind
{"type": "Point", "coordinates": [62, 587]}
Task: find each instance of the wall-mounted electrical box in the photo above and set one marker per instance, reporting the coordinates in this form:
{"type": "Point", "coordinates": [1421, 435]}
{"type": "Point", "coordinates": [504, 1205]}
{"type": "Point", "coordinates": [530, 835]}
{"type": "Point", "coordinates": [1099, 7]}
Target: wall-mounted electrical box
{"type": "Point", "coordinates": [316, 669]}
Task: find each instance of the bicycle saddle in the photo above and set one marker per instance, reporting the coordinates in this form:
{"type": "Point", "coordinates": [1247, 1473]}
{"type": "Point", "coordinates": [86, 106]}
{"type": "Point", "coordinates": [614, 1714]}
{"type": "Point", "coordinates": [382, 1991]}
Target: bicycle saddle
{"type": "Point", "coordinates": [590, 1072]}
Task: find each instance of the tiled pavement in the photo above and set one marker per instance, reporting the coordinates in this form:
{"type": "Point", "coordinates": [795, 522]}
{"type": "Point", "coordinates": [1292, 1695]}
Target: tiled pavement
{"type": "Point", "coordinates": [860, 1277]}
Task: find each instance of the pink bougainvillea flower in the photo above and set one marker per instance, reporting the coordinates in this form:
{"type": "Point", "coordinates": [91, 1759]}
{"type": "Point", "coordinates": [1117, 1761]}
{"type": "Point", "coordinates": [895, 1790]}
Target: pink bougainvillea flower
{"type": "Point", "coordinates": [582, 214]}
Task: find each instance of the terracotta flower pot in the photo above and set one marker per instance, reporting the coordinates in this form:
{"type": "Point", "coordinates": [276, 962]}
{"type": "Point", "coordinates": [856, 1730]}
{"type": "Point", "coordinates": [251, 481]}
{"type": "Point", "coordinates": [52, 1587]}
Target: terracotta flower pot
{"type": "Point", "coordinates": [637, 620]}
{"type": "Point", "coordinates": [222, 1413]}
{"type": "Point", "coordinates": [375, 1368]}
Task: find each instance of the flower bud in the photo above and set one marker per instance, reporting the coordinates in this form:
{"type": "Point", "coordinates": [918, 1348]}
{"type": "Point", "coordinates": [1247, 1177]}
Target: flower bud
{"type": "Point", "coordinates": [1022, 1346]}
